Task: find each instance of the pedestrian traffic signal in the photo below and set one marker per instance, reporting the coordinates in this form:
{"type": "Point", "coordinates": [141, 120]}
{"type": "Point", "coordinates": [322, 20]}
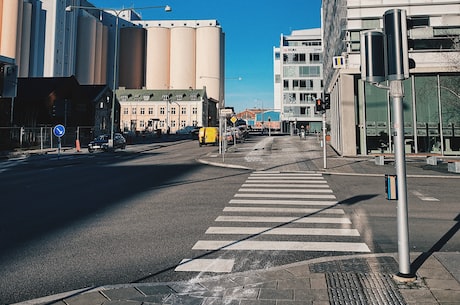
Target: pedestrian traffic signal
{"type": "Point", "coordinates": [319, 105]}
{"type": "Point", "coordinates": [327, 101]}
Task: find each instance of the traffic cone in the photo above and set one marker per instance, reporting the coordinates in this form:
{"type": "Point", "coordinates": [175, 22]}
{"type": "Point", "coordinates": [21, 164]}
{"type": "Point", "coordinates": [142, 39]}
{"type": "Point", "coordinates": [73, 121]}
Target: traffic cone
{"type": "Point", "coordinates": [77, 145]}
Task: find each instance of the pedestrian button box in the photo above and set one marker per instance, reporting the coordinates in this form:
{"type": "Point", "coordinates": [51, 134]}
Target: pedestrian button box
{"type": "Point", "coordinates": [391, 187]}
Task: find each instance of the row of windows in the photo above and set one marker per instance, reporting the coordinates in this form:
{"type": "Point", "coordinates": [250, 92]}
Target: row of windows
{"type": "Point", "coordinates": [301, 58]}
{"type": "Point", "coordinates": [298, 84]}
{"type": "Point", "coordinates": [172, 110]}
{"type": "Point", "coordinates": [300, 43]}
{"type": "Point", "coordinates": [293, 98]}
{"type": "Point", "coordinates": [304, 71]}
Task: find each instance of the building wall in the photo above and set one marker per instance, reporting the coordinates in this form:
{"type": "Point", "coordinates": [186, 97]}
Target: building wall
{"type": "Point", "coordinates": [183, 58]}
{"type": "Point", "coordinates": [431, 116]}
{"type": "Point", "coordinates": [298, 78]}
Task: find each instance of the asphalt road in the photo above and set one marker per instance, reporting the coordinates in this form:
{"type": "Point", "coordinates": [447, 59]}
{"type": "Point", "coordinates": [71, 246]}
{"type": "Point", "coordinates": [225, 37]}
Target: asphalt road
{"type": "Point", "coordinates": [104, 218]}
{"type": "Point", "coordinates": [132, 216]}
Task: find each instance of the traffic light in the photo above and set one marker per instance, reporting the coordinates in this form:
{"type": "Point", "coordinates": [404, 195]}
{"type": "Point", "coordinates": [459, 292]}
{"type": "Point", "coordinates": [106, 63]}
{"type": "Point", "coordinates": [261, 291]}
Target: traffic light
{"type": "Point", "coordinates": [327, 101]}
{"type": "Point", "coordinates": [319, 105]}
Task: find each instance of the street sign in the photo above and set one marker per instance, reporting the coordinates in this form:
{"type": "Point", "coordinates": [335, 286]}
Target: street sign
{"type": "Point", "coordinates": [233, 119]}
{"type": "Point", "coordinates": [226, 112]}
{"type": "Point", "coordinates": [59, 130]}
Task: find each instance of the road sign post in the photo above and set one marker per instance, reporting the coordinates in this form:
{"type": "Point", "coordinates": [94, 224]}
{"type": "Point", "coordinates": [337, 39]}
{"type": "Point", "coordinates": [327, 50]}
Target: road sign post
{"type": "Point", "coordinates": [59, 131]}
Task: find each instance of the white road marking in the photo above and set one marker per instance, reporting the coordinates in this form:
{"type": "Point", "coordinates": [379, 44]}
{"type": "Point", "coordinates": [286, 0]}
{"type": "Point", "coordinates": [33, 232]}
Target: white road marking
{"type": "Point", "coordinates": [250, 245]}
{"type": "Point", "coordinates": [280, 219]}
{"type": "Point", "coordinates": [284, 181]}
{"type": "Point", "coordinates": [284, 202]}
{"type": "Point", "coordinates": [284, 190]}
{"type": "Point", "coordinates": [423, 197]}
{"type": "Point", "coordinates": [272, 195]}
{"type": "Point", "coordinates": [290, 185]}
{"type": "Point", "coordinates": [283, 210]}
{"type": "Point", "coordinates": [282, 231]}
{"type": "Point", "coordinates": [206, 265]}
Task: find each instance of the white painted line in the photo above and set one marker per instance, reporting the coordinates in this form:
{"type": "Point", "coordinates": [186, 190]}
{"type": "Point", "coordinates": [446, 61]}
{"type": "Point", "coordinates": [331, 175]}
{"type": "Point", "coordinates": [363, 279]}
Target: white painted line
{"type": "Point", "coordinates": [250, 245]}
{"type": "Point", "coordinates": [296, 178]}
{"type": "Point", "coordinates": [423, 197]}
{"type": "Point", "coordinates": [284, 202]}
{"type": "Point", "coordinates": [282, 231]}
{"type": "Point", "coordinates": [283, 210]}
{"type": "Point", "coordinates": [206, 265]}
{"type": "Point", "coordinates": [284, 181]}
{"type": "Point", "coordinates": [270, 195]}
{"type": "Point", "coordinates": [277, 190]}
{"type": "Point", "coordinates": [291, 185]}
{"type": "Point", "coordinates": [279, 219]}
{"type": "Point", "coordinates": [278, 174]}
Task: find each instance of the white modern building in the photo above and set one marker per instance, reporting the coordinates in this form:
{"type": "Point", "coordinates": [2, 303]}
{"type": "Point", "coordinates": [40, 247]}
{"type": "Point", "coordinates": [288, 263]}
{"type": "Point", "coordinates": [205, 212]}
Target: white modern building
{"type": "Point", "coordinates": [298, 79]}
{"type": "Point", "coordinates": [360, 114]}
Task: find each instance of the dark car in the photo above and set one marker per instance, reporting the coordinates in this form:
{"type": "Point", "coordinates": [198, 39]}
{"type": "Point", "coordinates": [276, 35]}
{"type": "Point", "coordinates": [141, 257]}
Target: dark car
{"type": "Point", "coordinates": [102, 142]}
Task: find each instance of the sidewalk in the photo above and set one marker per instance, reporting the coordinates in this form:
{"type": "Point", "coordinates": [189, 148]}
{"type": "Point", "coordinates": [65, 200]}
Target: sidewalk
{"type": "Point", "coordinates": [357, 279]}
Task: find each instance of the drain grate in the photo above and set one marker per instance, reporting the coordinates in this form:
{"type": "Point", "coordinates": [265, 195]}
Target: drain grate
{"type": "Point", "coordinates": [362, 289]}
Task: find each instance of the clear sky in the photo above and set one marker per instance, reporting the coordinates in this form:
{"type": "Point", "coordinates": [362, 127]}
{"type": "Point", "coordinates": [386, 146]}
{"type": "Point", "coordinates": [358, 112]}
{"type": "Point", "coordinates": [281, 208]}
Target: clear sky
{"type": "Point", "coordinates": [252, 28]}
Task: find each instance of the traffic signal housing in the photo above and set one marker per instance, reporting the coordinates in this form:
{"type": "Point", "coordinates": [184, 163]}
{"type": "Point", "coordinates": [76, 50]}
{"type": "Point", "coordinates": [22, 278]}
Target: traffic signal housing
{"type": "Point", "coordinates": [327, 101]}
{"type": "Point", "coordinates": [319, 105]}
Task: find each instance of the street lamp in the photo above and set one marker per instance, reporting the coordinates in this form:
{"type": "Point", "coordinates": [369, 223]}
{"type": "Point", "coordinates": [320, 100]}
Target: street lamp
{"type": "Point", "coordinates": [117, 13]}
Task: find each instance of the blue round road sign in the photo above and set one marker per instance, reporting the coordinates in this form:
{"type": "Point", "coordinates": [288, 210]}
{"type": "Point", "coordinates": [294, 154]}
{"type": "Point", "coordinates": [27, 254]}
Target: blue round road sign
{"type": "Point", "coordinates": [59, 130]}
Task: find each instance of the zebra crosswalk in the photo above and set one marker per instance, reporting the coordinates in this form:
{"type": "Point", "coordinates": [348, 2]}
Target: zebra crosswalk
{"type": "Point", "coordinates": [275, 211]}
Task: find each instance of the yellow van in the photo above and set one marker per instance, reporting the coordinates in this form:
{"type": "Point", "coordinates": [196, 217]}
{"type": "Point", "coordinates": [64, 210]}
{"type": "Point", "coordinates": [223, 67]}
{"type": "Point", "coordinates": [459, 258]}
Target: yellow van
{"type": "Point", "coordinates": [208, 135]}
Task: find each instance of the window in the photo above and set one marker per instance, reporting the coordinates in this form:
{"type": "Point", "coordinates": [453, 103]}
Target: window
{"type": "Point", "coordinates": [125, 110]}
{"type": "Point", "coordinates": [141, 124]}
{"type": "Point", "coordinates": [182, 123]}
{"type": "Point", "coordinates": [162, 110]}
{"type": "Point", "coordinates": [150, 110]}
{"type": "Point", "coordinates": [183, 110]}
{"type": "Point", "coordinates": [286, 84]}
{"type": "Point", "coordinates": [173, 110]}
{"type": "Point", "coordinates": [315, 57]}
{"type": "Point", "coordinates": [173, 123]}
{"type": "Point", "coordinates": [134, 110]}
{"type": "Point", "coordinates": [142, 110]}
{"type": "Point", "coordinates": [371, 24]}
{"type": "Point", "coordinates": [194, 110]}
{"type": "Point", "coordinates": [312, 71]}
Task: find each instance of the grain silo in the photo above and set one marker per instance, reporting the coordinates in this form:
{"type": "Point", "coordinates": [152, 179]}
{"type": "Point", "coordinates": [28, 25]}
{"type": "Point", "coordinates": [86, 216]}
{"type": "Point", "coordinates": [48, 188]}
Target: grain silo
{"type": "Point", "coordinates": [157, 58]}
{"type": "Point", "coordinates": [183, 57]}
{"type": "Point", "coordinates": [208, 60]}
{"type": "Point", "coordinates": [86, 50]}
{"type": "Point", "coordinates": [131, 73]}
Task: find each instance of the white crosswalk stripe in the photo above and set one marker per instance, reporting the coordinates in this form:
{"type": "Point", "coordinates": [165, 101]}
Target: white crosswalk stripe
{"type": "Point", "coordinates": [288, 206]}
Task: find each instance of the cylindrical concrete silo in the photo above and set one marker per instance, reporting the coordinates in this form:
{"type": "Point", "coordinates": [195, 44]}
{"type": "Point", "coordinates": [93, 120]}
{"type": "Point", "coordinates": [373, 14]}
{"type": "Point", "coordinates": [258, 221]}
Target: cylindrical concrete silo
{"type": "Point", "coordinates": [25, 40]}
{"type": "Point", "coordinates": [131, 72]}
{"type": "Point", "coordinates": [104, 50]}
{"type": "Point", "coordinates": [183, 58]}
{"type": "Point", "coordinates": [208, 60]}
{"type": "Point", "coordinates": [86, 50]}
{"type": "Point", "coordinates": [10, 28]}
{"type": "Point", "coordinates": [157, 63]}
{"type": "Point", "coordinates": [98, 55]}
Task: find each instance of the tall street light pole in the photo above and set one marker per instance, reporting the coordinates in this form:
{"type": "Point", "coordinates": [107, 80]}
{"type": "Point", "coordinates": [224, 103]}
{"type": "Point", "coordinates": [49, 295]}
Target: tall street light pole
{"type": "Point", "coordinates": [116, 13]}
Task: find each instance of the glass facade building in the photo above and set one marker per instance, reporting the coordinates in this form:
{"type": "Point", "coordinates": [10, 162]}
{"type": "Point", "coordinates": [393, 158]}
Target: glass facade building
{"type": "Point", "coordinates": [361, 114]}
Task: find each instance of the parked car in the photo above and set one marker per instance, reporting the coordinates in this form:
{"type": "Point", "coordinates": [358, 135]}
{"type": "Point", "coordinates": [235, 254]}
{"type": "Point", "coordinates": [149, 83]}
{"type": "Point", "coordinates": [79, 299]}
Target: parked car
{"type": "Point", "coordinates": [102, 142]}
{"type": "Point", "coordinates": [190, 130]}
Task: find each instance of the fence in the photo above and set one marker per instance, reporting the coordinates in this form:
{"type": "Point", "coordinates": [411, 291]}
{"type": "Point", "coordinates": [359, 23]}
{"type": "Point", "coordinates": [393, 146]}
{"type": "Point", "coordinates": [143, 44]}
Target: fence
{"type": "Point", "coordinates": [42, 137]}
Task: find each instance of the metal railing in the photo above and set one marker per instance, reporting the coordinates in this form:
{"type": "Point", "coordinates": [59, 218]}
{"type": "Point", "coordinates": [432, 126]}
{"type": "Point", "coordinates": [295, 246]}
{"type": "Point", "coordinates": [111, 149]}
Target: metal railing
{"type": "Point", "coordinates": [25, 138]}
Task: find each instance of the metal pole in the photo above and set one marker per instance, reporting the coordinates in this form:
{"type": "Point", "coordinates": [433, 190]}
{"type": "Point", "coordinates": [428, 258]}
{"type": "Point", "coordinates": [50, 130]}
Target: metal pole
{"type": "Point", "coordinates": [114, 84]}
{"type": "Point", "coordinates": [324, 140]}
{"type": "Point", "coordinates": [396, 94]}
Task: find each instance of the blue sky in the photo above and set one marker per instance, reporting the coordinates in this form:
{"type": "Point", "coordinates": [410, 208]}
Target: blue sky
{"type": "Point", "coordinates": [252, 28]}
